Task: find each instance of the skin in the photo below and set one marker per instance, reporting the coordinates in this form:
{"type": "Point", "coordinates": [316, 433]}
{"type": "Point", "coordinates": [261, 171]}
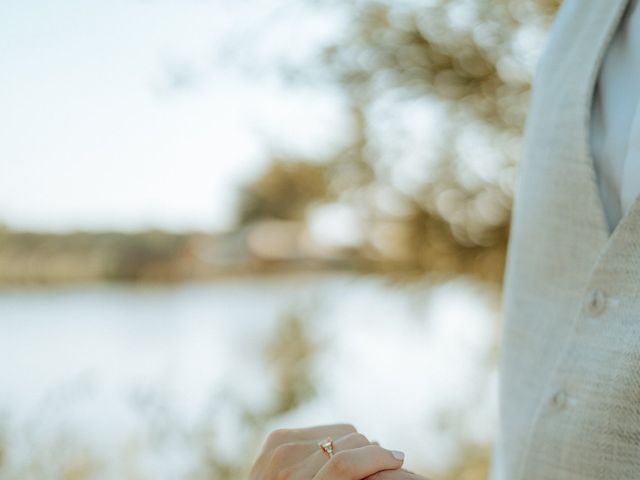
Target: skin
{"type": "Point", "coordinates": [395, 475]}
{"type": "Point", "coordinates": [294, 454]}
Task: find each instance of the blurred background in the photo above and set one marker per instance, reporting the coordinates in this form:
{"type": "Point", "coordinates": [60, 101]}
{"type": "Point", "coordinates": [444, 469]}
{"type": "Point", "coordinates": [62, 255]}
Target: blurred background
{"type": "Point", "coordinates": [218, 218]}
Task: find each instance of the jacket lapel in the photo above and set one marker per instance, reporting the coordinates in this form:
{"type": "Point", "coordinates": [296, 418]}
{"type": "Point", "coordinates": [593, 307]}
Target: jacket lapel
{"type": "Point", "coordinates": [602, 19]}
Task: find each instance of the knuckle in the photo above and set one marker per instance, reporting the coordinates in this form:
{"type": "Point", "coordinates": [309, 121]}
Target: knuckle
{"type": "Point", "coordinates": [379, 455]}
{"type": "Point", "coordinates": [281, 453]}
{"type": "Point", "coordinates": [379, 452]}
{"type": "Point", "coordinates": [340, 464]}
{"type": "Point", "coordinates": [348, 428]}
{"type": "Point", "coordinates": [277, 436]}
{"type": "Point", "coordinates": [356, 439]}
{"type": "Point", "coordinates": [284, 474]}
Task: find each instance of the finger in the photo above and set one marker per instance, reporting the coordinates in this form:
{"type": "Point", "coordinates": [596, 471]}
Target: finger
{"type": "Point", "coordinates": [401, 474]}
{"type": "Point", "coordinates": [286, 435]}
{"type": "Point", "coordinates": [303, 459]}
{"type": "Point", "coordinates": [288, 454]}
{"type": "Point", "coordinates": [311, 465]}
{"type": "Point", "coordinates": [359, 463]}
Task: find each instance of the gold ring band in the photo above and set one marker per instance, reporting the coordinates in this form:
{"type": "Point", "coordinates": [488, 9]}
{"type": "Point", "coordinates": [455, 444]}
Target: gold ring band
{"type": "Point", "coordinates": [327, 446]}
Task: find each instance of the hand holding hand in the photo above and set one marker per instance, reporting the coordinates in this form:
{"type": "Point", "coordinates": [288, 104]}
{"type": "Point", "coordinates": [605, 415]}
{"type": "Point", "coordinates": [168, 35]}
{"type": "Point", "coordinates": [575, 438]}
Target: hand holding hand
{"type": "Point", "coordinates": [296, 455]}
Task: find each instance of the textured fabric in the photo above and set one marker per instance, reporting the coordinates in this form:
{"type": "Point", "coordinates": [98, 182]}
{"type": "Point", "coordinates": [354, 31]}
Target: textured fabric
{"type": "Point", "coordinates": [615, 119]}
{"type": "Point", "coordinates": [570, 361]}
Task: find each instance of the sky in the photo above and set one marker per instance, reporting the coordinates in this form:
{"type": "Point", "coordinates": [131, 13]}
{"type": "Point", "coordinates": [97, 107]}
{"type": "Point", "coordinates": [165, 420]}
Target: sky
{"type": "Point", "coordinates": [122, 114]}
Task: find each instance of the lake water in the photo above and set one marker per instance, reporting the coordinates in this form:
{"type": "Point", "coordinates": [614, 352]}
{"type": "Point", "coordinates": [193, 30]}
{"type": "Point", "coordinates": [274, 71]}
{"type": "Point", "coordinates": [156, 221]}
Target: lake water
{"type": "Point", "coordinates": [92, 367]}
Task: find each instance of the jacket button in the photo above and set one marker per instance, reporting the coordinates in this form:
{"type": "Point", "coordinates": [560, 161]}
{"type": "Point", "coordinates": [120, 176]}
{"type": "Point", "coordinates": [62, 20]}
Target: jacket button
{"type": "Point", "coordinates": [596, 303]}
{"type": "Point", "coordinates": [558, 400]}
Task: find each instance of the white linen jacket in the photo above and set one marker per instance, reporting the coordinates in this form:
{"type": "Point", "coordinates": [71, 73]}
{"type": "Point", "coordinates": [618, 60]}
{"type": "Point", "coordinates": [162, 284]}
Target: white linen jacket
{"type": "Point", "coordinates": [570, 364]}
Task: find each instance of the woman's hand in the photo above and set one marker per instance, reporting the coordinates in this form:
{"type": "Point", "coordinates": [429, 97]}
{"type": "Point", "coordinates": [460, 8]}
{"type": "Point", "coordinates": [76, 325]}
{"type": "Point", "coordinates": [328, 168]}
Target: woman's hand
{"type": "Point", "coordinates": [395, 475]}
{"type": "Point", "coordinates": [295, 455]}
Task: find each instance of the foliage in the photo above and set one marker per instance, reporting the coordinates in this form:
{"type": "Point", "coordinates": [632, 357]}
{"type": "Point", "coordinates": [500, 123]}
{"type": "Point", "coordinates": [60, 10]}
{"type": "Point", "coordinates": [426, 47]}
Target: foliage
{"type": "Point", "coordinates": [288, 358]}
{"type": "Point", "coordinates": [475, 61]}
{"type": "Point", "coordinates": [303, 182]}
{"type": "Point", "coordinates": [30, 257]}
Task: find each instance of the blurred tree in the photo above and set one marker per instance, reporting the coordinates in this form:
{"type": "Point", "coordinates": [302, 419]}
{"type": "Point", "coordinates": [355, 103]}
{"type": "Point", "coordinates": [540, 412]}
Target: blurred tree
{"type": "Point", "coordinates": [283, 191]}
{"type": "Point", "coordinates": [474, 60]}
{"type": "Point", "coordinates": [290, 355]}
{"type": "Point", "coordinates": [142, 255]}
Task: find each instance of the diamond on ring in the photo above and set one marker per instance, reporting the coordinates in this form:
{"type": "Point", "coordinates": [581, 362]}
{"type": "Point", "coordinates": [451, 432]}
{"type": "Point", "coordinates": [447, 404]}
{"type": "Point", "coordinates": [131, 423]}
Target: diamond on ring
{"type": "Point", "coordinates": [327, 446]}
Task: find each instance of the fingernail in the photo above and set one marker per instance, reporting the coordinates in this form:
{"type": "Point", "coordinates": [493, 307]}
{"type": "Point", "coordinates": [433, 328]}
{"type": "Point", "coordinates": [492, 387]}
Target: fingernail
{"type": "Point", "coordinates": [397, 454]}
